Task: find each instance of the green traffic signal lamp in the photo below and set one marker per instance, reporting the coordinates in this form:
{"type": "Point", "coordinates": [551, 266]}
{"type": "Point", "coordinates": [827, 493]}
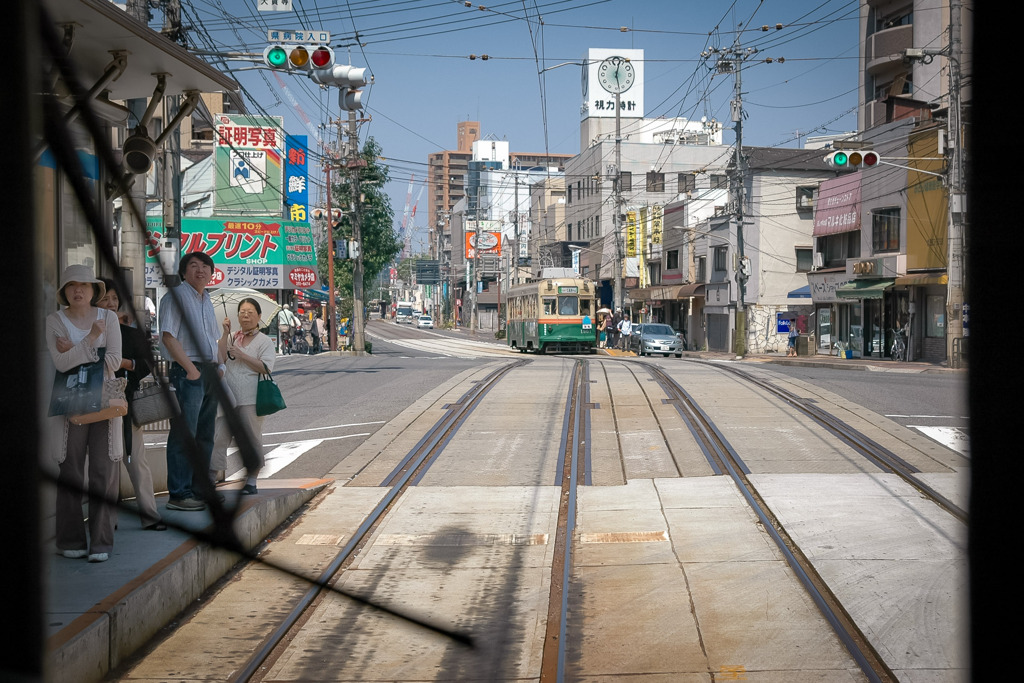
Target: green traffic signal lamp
{"type": "Point", "coordinates": [840, 159]}
{"type": "Point", "coordinates": [276, 57]}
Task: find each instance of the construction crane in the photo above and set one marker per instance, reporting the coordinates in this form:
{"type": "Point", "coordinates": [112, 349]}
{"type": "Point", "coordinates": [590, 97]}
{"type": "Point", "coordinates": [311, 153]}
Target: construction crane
{"type": "Point", "coordinates": [407, 227]}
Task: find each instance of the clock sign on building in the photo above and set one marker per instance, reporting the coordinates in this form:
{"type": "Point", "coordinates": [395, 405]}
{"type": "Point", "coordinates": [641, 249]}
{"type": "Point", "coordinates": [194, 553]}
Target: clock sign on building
{"type": "Point", "coordinates": [610, 72]}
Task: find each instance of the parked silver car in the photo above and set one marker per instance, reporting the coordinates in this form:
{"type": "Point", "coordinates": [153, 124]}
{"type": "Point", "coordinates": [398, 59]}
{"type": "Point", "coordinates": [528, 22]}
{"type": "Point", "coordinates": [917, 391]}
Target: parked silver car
{"type": "Point", "coordinates": [651, 338]}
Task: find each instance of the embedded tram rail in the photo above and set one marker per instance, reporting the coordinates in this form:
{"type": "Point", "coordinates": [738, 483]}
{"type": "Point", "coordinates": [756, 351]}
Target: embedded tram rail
{"type": "Point", "coordinates": [581, 518]}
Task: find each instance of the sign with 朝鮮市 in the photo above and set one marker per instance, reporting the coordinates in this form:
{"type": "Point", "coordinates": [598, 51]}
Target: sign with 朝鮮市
{"type": "Point", "coordinates": [260, 253]}
{"type": "Point", "coordinates": [296, 176]}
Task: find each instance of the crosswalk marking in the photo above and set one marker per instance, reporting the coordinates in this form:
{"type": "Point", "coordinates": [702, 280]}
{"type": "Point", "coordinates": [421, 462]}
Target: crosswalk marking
{"type": "Point", "coordinates": [953, 438]}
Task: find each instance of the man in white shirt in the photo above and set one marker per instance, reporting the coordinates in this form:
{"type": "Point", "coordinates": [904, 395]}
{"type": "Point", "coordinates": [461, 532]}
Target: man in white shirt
{"type": "Point", "coordinates": [193, 349]}
{"type": "Point", "coordinates": [287, 324]}
{"type": "Point", "coordinates": [625, 330]}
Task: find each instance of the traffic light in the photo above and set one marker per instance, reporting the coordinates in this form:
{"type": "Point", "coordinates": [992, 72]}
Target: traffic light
{"type": "Point", "coordinates": [304, 58]}
{"type": "Point", "coordinates": [346, 77]}
{"type": "Point", "coordinates": [353, 249]}
{"type": "Point", "coordinates": [853, 159]}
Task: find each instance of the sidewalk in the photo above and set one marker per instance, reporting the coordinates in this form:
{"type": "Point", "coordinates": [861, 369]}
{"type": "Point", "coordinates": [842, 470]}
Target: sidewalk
{"type": "Point", "coordinates": [97, 615]}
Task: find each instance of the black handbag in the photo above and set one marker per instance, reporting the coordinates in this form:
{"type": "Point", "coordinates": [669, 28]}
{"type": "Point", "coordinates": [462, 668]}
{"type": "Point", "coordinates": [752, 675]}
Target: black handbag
{"type": "Point", "coordinates": [79, 390]}
{"type": "Point", "coordinates": [151, 404]}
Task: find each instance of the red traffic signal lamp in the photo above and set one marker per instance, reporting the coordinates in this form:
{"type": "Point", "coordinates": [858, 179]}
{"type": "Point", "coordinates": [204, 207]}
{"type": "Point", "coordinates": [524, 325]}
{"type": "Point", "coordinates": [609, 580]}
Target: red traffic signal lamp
{"type": "Point", "coordinates": [851, 160]}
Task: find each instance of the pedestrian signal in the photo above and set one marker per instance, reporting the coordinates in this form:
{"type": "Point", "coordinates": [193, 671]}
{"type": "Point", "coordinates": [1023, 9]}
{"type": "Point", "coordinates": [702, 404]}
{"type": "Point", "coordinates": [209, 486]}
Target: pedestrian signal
{"type": "Point", "coordinates": [850, 160]}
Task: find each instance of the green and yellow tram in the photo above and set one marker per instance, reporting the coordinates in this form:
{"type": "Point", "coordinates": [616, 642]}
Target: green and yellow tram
{"type": "Point", "coordinates": [552, 315]}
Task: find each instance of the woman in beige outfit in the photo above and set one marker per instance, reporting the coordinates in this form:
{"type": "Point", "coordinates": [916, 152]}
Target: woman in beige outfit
{"type": "Point", "coordinates": [73, 336]}
{"type": "Point", "coordinates": [246, 354]}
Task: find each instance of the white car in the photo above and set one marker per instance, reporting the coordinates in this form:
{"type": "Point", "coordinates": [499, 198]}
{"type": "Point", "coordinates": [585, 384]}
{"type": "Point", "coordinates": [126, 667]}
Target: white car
{"type": "Point", "coordinates": [425, 321]}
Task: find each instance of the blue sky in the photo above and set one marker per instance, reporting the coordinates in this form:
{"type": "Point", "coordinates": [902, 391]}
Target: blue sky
{"type": "Point", "coordinates": [424, 82]}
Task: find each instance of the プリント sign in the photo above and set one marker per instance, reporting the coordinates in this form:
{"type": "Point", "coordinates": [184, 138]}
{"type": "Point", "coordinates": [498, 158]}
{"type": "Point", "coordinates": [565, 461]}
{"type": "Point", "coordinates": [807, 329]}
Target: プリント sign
{"type": "Point", "coordinates": [261, 253]}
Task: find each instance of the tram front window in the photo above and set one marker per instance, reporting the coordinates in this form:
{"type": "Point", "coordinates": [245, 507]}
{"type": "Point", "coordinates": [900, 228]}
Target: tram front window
{"type": "Point", "coordinates": [568, 305]}
{"type": "Point", "coordinates": [549, 305]}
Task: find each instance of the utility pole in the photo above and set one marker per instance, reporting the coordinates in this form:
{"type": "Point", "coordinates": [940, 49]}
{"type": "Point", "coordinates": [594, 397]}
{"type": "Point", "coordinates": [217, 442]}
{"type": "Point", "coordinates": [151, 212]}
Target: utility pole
{"type": "Point", "coordinates": [617, 208]}
{"type": "Point", "coordinates": [331, 319]}
{"type": "Point", "coordinates": [354, 164]}
{"type": "Point", "coordinates": [731, 60]}
{"type": "Point", "coordinates": [957, 209]}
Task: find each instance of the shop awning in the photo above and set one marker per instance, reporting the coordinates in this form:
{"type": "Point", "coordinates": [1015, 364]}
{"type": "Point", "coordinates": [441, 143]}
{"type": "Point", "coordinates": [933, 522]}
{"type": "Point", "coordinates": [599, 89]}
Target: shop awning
{"type": "Point", "coordinates": [800, 293]}
{"type": "Point", "coordinates": [920, 279]}
{"type": "Point", "coordinates": [864, 289]}
{"type": "Point", "coordinates": [667, 292]}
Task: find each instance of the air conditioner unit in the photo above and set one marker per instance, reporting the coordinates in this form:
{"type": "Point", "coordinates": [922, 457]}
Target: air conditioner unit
{"type": "Point", "coordinates": [819, 260]}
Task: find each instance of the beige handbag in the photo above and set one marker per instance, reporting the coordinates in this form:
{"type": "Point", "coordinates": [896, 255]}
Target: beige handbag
{"type": "Point", "coordinates": [114, 403]}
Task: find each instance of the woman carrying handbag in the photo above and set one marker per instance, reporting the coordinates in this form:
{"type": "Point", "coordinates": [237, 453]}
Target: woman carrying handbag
{"type": "Point", "coordinates": [246, 354]}
{"type": "Point", "coordinates": [78, 335]}
{"type": "Point", "coordinates": [134, 367]}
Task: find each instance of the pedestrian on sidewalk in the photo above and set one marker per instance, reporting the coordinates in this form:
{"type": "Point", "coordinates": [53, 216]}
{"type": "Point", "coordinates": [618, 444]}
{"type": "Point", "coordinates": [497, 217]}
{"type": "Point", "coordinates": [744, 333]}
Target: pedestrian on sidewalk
{"type": "Point", "coordinates": [193, 372]}
{"type": "Point", "coordinates": [134, 368]}
{"type": "Point", "coordinates": [246, 355]}
{"type": "Point", "coordinates": [794, 334]}
{"type": "Point", "coordinates": [625, 332]}
{"type": "Point", "coordinates": [316, 331]}
{"type": "Point", "coordinates": [74, 336]}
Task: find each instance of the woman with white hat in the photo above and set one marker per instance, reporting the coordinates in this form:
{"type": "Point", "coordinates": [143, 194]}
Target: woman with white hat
{"type": "Point", "coordinates": [73, 336]}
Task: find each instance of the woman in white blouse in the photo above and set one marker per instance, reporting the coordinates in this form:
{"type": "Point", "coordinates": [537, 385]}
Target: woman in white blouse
{"type": "Point", "coordinates": [74, 336]}
{"type": "Point", "coordinates": [246, 355]}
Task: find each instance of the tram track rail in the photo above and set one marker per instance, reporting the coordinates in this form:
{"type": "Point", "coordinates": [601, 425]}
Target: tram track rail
{"type": "Point", "coordinates": [407, 474]}
{"type": "Point", "coordinates": [880, 456]}
{"type": "Point", "coordinates": [573, 468]}
{"type": "Point", "coordinates": [722, 455]}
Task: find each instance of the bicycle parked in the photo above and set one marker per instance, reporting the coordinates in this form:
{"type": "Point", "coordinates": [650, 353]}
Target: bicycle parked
{"type": "Point", "coordinates": [899, 346]}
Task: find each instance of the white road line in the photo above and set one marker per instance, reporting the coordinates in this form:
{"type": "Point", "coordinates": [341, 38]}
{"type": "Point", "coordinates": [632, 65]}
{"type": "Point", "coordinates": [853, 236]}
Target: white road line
{"type": "Point", "coordinates": [932, 417]}
{"type": "Point", "coordinates": [951, 437]}
{"type": "Point", "coordinates": [285, 454]}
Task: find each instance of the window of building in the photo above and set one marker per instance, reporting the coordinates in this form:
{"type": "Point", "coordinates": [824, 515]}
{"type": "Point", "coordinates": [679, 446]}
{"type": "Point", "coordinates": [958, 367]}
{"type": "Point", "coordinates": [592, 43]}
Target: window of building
{"type": "Point", "coordinates": [672, 260]}
{"type": "Point", "coordinates": [904, 16]}
{"type": "Point", "coordinates": [720, 255]}
{"type": "Point", "coordinates": [805, 197]}
{"type": "Point", "coordinates": [835, 249]}
{"type": "Point", "coordinates": [702, 269]}
{"type": "Point", "coordinates": [597, 226]}
{"type": "Point", "coordinates": [885, 230]}
{"type": "Point", "coordinates": [935, 309]}
{"type": "Point", "coordinates": [625, 181]}
{"type": "Point", "coordinates": [568, 231]}
{"type": "Point", "coordinates": [901, 84]}
{"type": "Point", "coordinates": [655, 181]}
{"type": "Point", "coordinates": [804, 259]}
{"type": "Point", "coordinates": [719, 182]}
{"type": "Point", "coordinates": [687, 182]}
{"type": "Point", "coordinates": [568, 195]}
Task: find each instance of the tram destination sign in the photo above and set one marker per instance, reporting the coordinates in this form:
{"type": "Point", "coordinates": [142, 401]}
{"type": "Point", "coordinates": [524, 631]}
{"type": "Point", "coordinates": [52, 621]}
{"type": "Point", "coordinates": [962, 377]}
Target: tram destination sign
{"type": "Point", "coordinates": [568, 290]}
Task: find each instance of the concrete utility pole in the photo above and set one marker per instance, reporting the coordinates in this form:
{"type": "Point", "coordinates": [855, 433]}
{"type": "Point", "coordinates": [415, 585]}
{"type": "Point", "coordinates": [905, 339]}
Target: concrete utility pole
{"type": "Point", "coordinates": [617, 208]}
{"type": "Point", "coordinates": [957, 208]}
{"type": "Point", "coordinates": [355, 162]}
{"type": "Point", "coordinates": [732, 60]}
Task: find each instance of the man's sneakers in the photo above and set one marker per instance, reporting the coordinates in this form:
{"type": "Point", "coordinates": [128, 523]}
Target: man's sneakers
{"type": "Point", "coordinates": [186, 504]}
{"type": "Point", "coordinates": [99, 557]}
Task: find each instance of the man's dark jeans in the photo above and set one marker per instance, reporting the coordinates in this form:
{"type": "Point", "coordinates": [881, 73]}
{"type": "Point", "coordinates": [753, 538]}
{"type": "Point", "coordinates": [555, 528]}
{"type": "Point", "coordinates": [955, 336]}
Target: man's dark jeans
{"type": "Point", "coordinates": [198, 417]}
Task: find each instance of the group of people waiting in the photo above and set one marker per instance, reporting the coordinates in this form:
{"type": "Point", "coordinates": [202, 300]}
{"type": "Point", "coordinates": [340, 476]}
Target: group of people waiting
{"type": "Point", "coordinates": [614, 331]}
{"type": "Point", "coordinates": [203, 351]}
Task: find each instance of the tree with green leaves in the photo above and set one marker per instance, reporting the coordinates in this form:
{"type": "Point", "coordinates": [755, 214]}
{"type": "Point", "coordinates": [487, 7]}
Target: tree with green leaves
{"type": "Point", "coordinates": [380, 241]}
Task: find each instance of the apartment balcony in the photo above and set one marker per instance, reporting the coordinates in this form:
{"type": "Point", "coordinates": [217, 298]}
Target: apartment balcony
{"type": "Point", "coordinates": [884, 49]}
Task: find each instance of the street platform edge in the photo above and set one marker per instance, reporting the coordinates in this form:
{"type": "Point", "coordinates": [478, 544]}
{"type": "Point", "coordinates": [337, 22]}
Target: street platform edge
{"type": "Point", "coordinates": [163, 577]}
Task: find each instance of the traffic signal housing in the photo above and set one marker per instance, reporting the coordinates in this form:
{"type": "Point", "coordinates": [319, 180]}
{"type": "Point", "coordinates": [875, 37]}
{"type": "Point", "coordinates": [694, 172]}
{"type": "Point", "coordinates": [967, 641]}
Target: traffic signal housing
{"type": "Point", "coordinates": [346, 77]}
{"type": "Point", "coordinates": [853, 159]}
{"type": "Point", "coordinates": [301, 58]}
